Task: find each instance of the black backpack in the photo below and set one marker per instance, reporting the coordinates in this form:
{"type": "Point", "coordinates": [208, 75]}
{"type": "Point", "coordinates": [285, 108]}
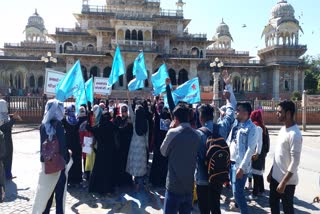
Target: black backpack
{"type": "Point", "coordinates": [217, 157]}
{"type": "Point", "coordinates": [141, 123]}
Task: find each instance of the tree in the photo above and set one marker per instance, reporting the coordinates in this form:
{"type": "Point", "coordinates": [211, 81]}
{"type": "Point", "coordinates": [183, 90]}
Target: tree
{"type": "Point", "coordinates": [312, 74]}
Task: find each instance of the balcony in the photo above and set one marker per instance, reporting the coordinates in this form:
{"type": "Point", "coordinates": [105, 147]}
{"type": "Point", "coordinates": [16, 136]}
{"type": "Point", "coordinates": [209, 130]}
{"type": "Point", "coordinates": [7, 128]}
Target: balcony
{"type": "Point", "coordinates": [228, 52]}
{"type": "Point", "coordinates": [71, 31]}
{"type": "Point", "coordinates": [288, 47]}
{"type": "Point", "coordinates": [32, 45]}
{"type": "Point", "coordinates": [193, 37]}
{"type": "Point", "coordinates": [89, 51]}
{"type": "Point", "coordinates": [136, 45]}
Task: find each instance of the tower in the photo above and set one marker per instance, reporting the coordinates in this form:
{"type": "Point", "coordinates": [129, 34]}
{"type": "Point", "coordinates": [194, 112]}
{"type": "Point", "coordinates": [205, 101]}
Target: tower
{"type": "Point", "coordinates": [35, 30]}
{"type": "Point", "coordinates": [180, 5]}
{"type": "Point", "coordinates": [222, 37]}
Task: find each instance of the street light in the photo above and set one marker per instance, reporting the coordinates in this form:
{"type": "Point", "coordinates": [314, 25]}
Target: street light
{"type": "Point", "coordinates": [216, 65]}
{"type": "Point", "coordinates": [49, 59]}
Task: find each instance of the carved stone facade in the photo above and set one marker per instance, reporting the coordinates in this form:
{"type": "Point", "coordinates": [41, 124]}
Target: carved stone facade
{"type": "Point", "coordinates": [163, 35]}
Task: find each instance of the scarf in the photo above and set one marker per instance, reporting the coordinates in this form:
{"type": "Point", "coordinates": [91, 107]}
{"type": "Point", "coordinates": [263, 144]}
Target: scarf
{"type": "Point", "coordinates": [71, 116]}
{"type": "Point", "coordinates": [54, 110]}
{"type": "Point", "coordinates": [256, 118]}
{"type": "Point", "coordinates": [97, 113]}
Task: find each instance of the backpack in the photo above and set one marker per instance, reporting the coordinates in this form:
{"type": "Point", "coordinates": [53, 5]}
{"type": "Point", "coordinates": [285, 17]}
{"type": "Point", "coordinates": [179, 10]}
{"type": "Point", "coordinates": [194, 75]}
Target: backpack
{"type": "Point", "coordinates": [266, 142]}
{"type": "Point", "coordinates": [141, 123]}
{"type": "Point", "coordinates": [50, 152]}
{"type": "Point", "coordinates": [217, 157]}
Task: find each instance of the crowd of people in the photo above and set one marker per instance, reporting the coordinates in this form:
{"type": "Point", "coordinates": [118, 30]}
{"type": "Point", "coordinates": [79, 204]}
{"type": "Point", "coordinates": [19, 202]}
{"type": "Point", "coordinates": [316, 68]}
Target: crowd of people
{"type": "Point", "coordinates": [192, 151]}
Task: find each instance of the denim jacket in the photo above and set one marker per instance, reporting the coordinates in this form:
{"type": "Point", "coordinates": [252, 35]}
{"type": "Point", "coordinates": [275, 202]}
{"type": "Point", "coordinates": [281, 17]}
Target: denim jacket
{"type": "Point", "coordinates": [246, 142]}
{"type": "Point", "coordinates": [225, 125]}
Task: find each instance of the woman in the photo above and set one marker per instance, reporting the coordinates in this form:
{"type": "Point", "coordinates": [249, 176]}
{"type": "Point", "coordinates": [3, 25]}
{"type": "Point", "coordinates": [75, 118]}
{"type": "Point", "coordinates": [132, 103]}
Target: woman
{"type": "Point", "coordinates": [71, 125]}
{"type": "Point", "coordinates": [102, 176]}
{"type": "Point", "coordinates": [56, 182]}
{"type": "Point", "coordinates": [123, 139]}
{"type": "Point", "coordinates": [6, 124]}
{"type": "Point", "coordinates": [137, 157]}
{"type": "Point", "coordinates": [259, 159]}
{"type": "Point", "coordinates": [159, 166]}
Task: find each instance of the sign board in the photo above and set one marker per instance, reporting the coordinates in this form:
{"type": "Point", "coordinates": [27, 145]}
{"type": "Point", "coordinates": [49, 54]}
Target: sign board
{"type": "Point", "coordinates": [313, 100]}
{"type": "Point", "coordinates": [101, 87]}
{"type": "Point", "coordinates": [51, 81]}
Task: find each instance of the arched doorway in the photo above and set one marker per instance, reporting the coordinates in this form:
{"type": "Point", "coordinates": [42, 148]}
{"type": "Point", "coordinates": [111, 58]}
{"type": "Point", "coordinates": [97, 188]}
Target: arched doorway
{"type": "Point", "coordinates": [195, 52]}
{"type": "Point", "coordinates": [128, 35]}
{"type": "Point", "coordinates": [32, 81]}
{"type": "Point", "coordinates": [40, 82]}
{"type": "Point", "coordinates": [19, 81]}
{"type": "Point", "coordinates": [236, 83]}
{"type": "Point", "coordinates": [67, 47]}
{"type": "Point", "coordinates": [134, 35]}
{"type": "Point", "coordinates": [94, 71]}
{"type": "Point", "coordinates": [129, 73]}
{"type": "Point", "coordinates": [106, 71]}
{"type": "Point", "coordinates": [173, 77]}
{"type": "Point", "coordinates": [140, 35]}
{"type": "Point", "coordinates": [84, 72]}
{"type": "Point", "coordinates": [183, 76]}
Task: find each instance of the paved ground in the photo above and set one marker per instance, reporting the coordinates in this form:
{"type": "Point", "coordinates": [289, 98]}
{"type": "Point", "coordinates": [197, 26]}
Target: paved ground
{"type": "Point", "coordinates": [20, 191]}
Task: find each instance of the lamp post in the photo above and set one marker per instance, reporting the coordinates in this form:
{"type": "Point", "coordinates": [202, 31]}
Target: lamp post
{"type": "Point", "coordinates": [49, 59]}
{"type": "Point", "coordinates": [216, 65]}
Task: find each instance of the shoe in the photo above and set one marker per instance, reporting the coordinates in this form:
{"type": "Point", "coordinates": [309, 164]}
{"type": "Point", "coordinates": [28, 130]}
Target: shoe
{"type": "Point", "coordinates": [251, 197]}
{"type": "Point", "coordinates": [233, 208]}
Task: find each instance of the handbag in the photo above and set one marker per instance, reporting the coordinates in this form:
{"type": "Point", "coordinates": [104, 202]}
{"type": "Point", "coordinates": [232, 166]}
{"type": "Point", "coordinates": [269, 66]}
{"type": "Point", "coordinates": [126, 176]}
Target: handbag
{"type": "Point", "coordinates": [53, 161]}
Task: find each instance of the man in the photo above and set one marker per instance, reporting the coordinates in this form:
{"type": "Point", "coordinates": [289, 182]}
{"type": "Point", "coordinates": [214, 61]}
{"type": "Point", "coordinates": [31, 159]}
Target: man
{"type": "Point", "coordinates": [283, 176]}
{"type": "Point", "coordinates": [242, 142]}
{"type": "Point", "coordinates": [209, 195]}
{"type": "Point", "coordinates": [180, 146]}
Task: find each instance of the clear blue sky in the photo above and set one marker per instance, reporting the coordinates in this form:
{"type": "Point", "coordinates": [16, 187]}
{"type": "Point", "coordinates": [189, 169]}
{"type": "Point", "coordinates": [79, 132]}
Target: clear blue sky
{"type": "Point", "coordinates": [205, 14]}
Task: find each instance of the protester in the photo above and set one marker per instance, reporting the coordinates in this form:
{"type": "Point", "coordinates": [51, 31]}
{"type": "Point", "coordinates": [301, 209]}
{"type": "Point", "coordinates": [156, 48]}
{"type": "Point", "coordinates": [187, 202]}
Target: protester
{"type": "Point", "coordinates": [71, 125]}
{"type": "Point", "coordinates": [2, 173]}
{"type": "Point", "coordinates": [259, 158]}
{"type": "Point", "coordinates": [180, 146]}
{"type": "Point", "coordinates": [123, 138]}
{"type": "Point", "coordinates": [6, 128]}
{"type": "Point", "coordinates": [48, 184]}
{"type": "Point", "coordinates": [137, 157]}
{"type": "Point", "coordinates": [102, 176]}
{"type": "Point", "coordinates": [209, 195]}
{"type": "Point", "coordinates": [283, 176]}
{"type": "Point", "coordinates": [242, 142]}
{"type": "Point", "coordinates": [159, 167]}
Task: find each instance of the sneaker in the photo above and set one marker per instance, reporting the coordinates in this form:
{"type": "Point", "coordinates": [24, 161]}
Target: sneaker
{"type": "Point", "coordinates": [251, 197]}
{"type": "Point", "coordinates": [233, 208]}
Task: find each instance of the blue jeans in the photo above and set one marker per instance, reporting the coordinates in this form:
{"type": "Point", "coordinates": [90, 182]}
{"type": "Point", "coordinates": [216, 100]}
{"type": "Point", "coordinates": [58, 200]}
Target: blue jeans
{"type": "Point", "coordinates": [174, 203]}
{"type": "Point", "coordinates": [238, 192]}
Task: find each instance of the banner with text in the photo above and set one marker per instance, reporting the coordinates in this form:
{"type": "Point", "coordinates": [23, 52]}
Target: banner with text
{"type": "Point", "coordinates": [51, 81]}
{"type": "Point", "coordinates": [101, 86]}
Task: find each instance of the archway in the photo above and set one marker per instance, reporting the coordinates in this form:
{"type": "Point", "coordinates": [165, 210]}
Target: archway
{"type": "Point", "coordinates": [134, 35]}
{"type": "Point", "coordinates": [129, 73]}
{"type": "Point", "coordinates": [40, 82]}
{"type": "Point", "coordinates": [90, 47]}
{"type": "Point", "coordinates": [84, 72]}
{"type": "Point", "coordinates": [195, 52]}
{"type": "Point", "coordinates": [68, 46]}
{"type": "Point", "coordinates": [19, 81]}
{"type": "Point", "coordinates": [140, 35]}
{"type": "Point", "coordinates": [173, 77]}
{"type": "Point", "coordinates": [106, 71]}
{"type": "Point", "coordinates": [32, 81]}
{"type": "Point", "coordinates": [120, 34]}
{"type": "Point", "coordinates": [183, 76]}
{"type": "Point", "coordinates": [128, 35]}
{"type": "Point", "coordinates": [174, 51]}
{"type": "Point", "coordinates": [147, 36]}
{"type": "Point", "coordinates": [94, 71]}
{"type": "Point", "coordinates": [236, 83]}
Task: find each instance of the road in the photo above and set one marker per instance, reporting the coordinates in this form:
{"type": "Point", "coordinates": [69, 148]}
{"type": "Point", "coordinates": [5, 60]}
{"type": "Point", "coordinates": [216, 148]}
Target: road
{"type": "Point", "coordinates": [26, 165]}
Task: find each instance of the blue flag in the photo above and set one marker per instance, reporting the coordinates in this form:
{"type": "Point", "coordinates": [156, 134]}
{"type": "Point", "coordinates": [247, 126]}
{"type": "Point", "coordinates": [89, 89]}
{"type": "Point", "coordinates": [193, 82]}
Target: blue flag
{"type": "Point", "coordinates": [158, 80]}
{"type": "Point", "coordinates": [139, 68]}
{"type": "Point", "coordinates": [72, 84]}
{"type": "Point", "coordinates": [135, 84]}
{"type": "Point", "coordinates": [189, 92]}
{"type": "Point", "coordinates": [117, 68]}
{"type": "Point", "coordinates": [86, 95]}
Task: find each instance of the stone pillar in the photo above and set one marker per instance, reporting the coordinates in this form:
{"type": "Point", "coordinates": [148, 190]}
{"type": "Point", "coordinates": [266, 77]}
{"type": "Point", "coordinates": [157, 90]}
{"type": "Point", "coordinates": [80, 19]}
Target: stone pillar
{"type": "Point", "coordinates": [99, 42]}
{"type": "Point", "coordinates": [296, 80]}
{"type": "Point", "coordinates": [276, 83]}
{"type": "Point", "coordinates": [69, 64]}
{"type": "Point", "coordinates": [302, 80]}
{"type": "Point", "coordinates": [193, 70]}
{"type": "Point", "coordinates": [216, 77]}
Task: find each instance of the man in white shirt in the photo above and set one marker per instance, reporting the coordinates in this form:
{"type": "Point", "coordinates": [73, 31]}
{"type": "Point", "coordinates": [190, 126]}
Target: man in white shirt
{"type": "Point", "coordinates": [283, 176]}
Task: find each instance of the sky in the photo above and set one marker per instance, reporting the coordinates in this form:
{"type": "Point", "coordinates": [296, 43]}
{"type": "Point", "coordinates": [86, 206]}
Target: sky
{"type": "Point", "coordinates": [206, 15]}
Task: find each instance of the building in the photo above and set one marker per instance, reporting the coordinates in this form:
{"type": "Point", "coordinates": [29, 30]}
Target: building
{"type": "Point", "coordinates": [163, 35]}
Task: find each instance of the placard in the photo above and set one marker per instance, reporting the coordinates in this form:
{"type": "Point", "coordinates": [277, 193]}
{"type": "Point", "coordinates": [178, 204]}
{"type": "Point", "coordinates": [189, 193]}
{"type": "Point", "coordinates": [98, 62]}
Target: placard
{"type": "Point", "coordinates": [87, 141]}
{"type": "Point", "coordinates": [51, 81]}
{"type": "Point", "coordinates": [101, 86]}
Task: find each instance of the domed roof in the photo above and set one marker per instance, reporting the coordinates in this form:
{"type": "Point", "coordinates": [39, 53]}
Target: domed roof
{"type": "Point", "coordinates": [223, 30]}
{"type": "Point", "coordinates": [36, 21]}
{"type": "Point", "coordinates": [282, 10]}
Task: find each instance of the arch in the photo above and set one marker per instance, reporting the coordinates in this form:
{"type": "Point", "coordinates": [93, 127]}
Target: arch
{"type": "Point", "coordinates": [286, 85]}
{"type": "Point", "coordinates": [11, 80]}
{"type": "Point", "coordinates": [84, 72]}
{"type": "Point", "coordinates": [19, 80]}
{"type": "Point", "coordinates": [60, 49]}
{"type": "Point", "coordinates": [128, 35]}
{"type": "Point", "coordinates": [249, 84]}
{"type": "Point", "coordinates": [106, 71]}
{"type": "Point", "coordinates": [134, 35]}
{"type": "Point", "coordinates": [140, 35]}
{"type": "Point", "coordinates": [120, 34]}
{"type": "Point", "coordinates": [90, 47]}
{"type": "Point", "coordinates": [256, 83]}
{"type": "Point", "coordinates": [68, 46]}
{"type": "Point", "coordinates": [173, 76]}
{"type": "Point", "coordinates": [129, 74]}
{"type": "Point", "coordinates": [32, 82]}
{"type": "Point", "coordinates": [147, 35]}
{"type": "Point", "coordinates": [94, 71]}
{"type": "Point", "coordinates": [195, 52]}
{"type": "Point", "coordinates": [236, 83]}
{"type": "Point", "coordinates": [40, 82]}
{"type": "Point", "coordinates": [175, 51]}
{"type": "Point", "coordinates": [183, 76]}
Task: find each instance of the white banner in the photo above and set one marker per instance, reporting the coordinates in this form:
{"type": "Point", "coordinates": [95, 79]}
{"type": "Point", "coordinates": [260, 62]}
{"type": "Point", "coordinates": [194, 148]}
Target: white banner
{"type": "Point", "coordinates": [51, 81]}
{"type": "Point", "coordinates": [101, 87]}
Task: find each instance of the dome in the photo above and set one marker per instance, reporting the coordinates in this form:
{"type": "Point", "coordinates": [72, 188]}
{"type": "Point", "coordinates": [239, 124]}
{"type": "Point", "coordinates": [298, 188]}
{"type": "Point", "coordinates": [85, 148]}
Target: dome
{"type": "Point", "coordinates": [282, 10]}
{"type": "Point", "coordinates": [223, 30]}
{"type": "Point", "coordinates": [36, 21]}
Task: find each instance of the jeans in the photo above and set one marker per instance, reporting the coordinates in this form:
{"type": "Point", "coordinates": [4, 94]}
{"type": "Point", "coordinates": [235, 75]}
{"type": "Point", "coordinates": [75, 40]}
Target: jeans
{"type": "Point", "coordinates": [258, 184]}
{"type": "Point", "coordinates": [286, 198]}
{"type": "Point", "coordinates": [175, 203]}
{"type": "Point", "coordinates": [59, 193]}
{"type": "Point", "coordinates": [209, 198]}
{"type": "Point", "coordinates": [238, 192]}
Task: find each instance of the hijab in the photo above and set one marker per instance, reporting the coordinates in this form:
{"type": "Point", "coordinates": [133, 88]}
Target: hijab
{"type": "Point", "coordinates": [4, 116]}
{"type": "Point", "coordinates": [71, 116]}
{"type": "Point", "coordinates": [256, 118]}
{"type": "Point", "coordinates": [97, 112]}
{"type": "Point", "coordinates": [82, 112]}
{"type": "Point", "coordinates": [54, 110]}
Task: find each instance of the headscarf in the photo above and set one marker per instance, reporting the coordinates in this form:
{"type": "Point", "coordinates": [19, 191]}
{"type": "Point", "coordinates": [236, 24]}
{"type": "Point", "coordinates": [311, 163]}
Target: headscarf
{"type": "Point", "coordinates": [256, 118]}
{"type": "Point", "coordinates": [4, 116]}
{"type": "Point", "coordinates": [71, 116]}
{"type": "Point", "coordinates": [54, 110]}
{"type": "Point", "coordinates": [97, 112]}
{"type": "Point", "coordinates": [102, 105]}
{"type": "Point", "coordinates": [82, 112]}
